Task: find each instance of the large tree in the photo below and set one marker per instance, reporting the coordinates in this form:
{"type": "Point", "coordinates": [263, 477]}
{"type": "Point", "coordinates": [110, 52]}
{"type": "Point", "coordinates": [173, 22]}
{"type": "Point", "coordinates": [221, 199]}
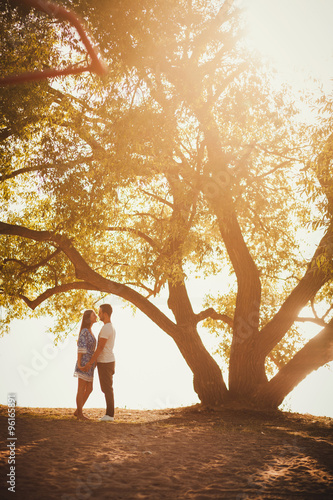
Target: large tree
{"type": "Point", "coordinates": [182, 162]}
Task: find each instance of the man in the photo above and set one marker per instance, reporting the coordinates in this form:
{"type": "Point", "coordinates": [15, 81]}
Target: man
{"type": "Point", "coordinates": [105, 360]}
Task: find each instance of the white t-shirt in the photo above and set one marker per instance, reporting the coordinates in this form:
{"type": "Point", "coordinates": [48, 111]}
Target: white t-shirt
{"type": "Point", "coordinates": [107, 332]}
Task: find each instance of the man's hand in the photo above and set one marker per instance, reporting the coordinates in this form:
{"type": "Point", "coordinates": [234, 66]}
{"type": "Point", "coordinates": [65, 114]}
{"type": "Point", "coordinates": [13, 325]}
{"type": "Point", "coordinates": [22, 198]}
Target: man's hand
{"type": "Point", "coordinates": [100, 347]}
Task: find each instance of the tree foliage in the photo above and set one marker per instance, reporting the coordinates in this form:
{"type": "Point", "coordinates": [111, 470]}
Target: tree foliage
{"type": "Point", "coordinates": [185, 161]}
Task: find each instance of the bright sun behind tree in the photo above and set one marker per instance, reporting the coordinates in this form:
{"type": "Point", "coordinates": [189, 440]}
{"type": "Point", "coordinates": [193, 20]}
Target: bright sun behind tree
{"type": "Point", "coordinates": [295, 35]}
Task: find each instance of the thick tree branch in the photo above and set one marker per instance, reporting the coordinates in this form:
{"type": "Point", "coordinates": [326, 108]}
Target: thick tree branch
{"type": "Point", "coordinates": [32, 234]}
{"type": "Point", "coordinates": [43, 168]}
{"type": "Point", "coordinates": [20, 171]}
{"type": "Point", "coordinates": [314, 278]}
{"type": "Point", "coordinates": [317, 352]}
{"type": "Point", "coordinates": [317, 321]}
{"type": "Point", "coordinates": [85, 273]}
{"type": "Point", "coordinates": [97, 65]}
{"type": "Point", "coordinates": [328, 311]}
{"type": "Point", "coordinates": [211, 313]}
{"type": "Point", "coordinates": [66, 287]}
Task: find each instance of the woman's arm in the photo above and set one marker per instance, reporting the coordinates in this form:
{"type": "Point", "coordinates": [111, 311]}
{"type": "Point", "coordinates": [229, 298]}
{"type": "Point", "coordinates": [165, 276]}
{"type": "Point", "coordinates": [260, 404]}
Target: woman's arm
{"type": "Point", "coordinates": [81, 347]}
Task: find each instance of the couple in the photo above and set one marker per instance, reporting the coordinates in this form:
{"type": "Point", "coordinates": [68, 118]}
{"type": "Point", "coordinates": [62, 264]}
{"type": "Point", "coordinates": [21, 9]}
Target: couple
{"type": "Point", "coordinates": [88, 356]}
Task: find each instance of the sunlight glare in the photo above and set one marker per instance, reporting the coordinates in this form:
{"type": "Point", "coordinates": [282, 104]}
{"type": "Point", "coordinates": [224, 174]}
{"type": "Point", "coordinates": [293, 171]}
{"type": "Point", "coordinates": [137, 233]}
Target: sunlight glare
{"type": "Point", "coordinates": [296, 36]}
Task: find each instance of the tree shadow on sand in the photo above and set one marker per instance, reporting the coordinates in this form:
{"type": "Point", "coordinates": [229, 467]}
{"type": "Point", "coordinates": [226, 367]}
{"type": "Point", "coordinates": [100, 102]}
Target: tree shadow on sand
{"type": "Point", "coordinates": [185, 453]}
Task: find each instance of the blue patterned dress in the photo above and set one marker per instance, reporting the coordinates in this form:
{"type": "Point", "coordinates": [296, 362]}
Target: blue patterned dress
{"type": "Point", "coordinates": [85, 346]}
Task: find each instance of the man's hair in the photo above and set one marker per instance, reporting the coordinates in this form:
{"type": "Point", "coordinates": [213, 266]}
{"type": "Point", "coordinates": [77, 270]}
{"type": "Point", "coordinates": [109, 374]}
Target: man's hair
{"type": "Point", "coordinates": [106, 308]}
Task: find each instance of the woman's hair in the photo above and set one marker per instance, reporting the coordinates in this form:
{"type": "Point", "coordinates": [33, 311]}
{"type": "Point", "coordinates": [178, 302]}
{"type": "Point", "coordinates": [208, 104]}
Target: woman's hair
{"type": "Point", "coordinates": [86, 322]}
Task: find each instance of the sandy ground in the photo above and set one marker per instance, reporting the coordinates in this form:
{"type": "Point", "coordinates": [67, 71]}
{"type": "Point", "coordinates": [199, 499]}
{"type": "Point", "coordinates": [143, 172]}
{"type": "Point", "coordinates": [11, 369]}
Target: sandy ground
{"type": "Point", "coordinates": [184, 453]}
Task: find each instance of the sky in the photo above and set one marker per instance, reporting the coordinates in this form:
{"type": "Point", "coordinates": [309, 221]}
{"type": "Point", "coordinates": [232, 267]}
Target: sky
{"type": "Point", "coordinates": [296, 36]}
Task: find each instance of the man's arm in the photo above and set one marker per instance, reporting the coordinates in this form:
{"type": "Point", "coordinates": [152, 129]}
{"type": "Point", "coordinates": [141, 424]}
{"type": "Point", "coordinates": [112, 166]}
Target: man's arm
{"type": "Point", "coordinates": [100, 347]}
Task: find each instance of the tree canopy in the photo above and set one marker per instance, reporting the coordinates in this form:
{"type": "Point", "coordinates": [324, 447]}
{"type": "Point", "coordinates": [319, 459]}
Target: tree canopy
{"type": "Point", "coordinates": [184, 161]}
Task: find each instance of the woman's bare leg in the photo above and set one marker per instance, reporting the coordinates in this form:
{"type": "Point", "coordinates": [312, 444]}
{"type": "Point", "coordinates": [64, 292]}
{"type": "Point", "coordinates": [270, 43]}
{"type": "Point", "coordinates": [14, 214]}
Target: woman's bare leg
{"type": "Point", "coordinates": [83, 392]}
{"type": "Point", "coordinates": [81, 398]}
{"type": "Point", "coordinates": [87, 392]}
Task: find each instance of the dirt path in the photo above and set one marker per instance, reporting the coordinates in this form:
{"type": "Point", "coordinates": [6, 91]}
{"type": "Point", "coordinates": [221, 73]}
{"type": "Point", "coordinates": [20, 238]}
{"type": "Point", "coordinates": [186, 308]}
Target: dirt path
{"type": "Point", "coordinates": [186, 453]}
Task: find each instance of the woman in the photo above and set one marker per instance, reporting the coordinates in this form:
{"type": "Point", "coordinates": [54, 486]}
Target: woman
{"type": "Point", "coordinates": [85, 349]}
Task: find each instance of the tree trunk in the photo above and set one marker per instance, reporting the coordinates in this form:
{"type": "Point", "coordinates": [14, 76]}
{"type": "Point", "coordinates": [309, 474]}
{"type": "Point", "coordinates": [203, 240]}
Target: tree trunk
{"type": "Point", "coordinates": [246, 365]}
{"type": "Point", "coordinates": [207, 376]}
{"type": "Point", "coordinates": [208, 382]}
{"type": "Point", "coordinates": [246, 370]}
